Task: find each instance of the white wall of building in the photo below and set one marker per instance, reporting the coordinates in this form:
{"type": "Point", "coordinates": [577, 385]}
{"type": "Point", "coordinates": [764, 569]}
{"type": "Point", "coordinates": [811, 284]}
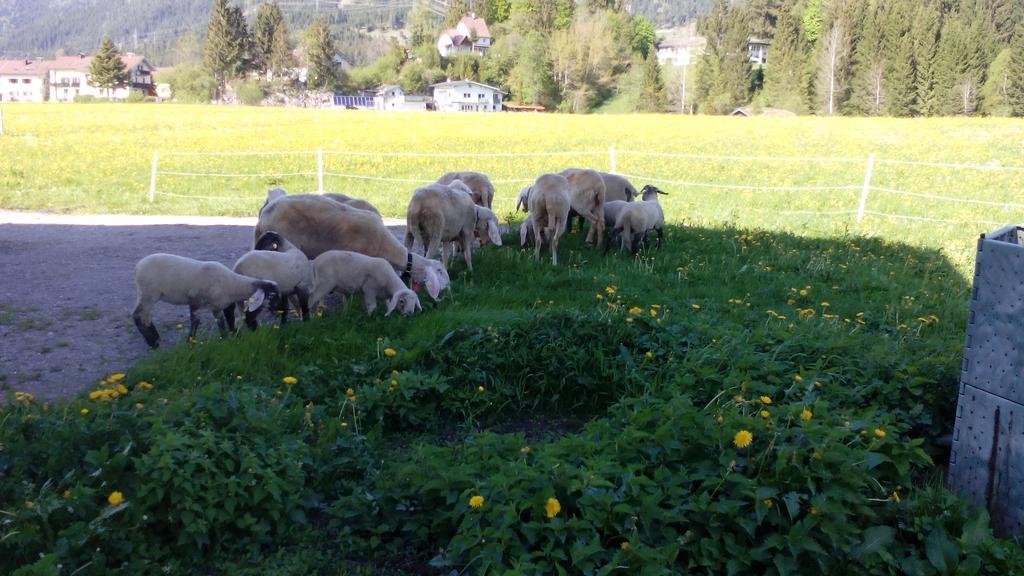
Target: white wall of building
{"type": "Point", "coordinates": [21, 88]}
{"type": "Point", "coordinates": [467, 97]}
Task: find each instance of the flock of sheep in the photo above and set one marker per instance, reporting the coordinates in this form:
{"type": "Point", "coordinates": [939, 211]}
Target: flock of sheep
{"type": "Point", "coordinates": [308, 245]}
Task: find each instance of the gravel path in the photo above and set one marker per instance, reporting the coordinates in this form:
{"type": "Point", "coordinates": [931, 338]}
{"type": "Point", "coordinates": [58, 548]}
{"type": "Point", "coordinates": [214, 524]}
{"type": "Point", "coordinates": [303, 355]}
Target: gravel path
{"type": "Point", "coordinates": [67, 291]}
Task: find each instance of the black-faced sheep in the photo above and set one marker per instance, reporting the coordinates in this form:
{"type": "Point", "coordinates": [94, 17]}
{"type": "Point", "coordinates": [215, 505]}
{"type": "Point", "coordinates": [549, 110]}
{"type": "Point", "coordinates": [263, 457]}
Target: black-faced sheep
{"type": "Point", "coordinates": [351, 272]}
{"type": "Point", "coordinates": [439, 214]}
{"type": "Point", "coordinates": [479, 184]}
{"type": "Point", "coordinates": [201, 285]}
{"type": "Point", "coordinates": [316, 224]}
{"type": "Point", "coordinates": [276, 259]}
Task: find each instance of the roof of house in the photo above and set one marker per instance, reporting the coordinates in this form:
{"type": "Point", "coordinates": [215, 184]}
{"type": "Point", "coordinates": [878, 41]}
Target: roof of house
{"type": "Point", "coordinates": [474, 23]}
{"type": "Point", "coordinates": [24, 67]}
{"type": "Point", "coordinates": [459, 82]}
{"type": "Point", "coordinates": [82, 63]}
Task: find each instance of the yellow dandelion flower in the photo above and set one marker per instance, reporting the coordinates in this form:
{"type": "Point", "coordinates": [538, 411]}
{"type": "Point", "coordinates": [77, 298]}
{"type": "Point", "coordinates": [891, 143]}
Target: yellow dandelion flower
{"type": "Point", "coordinates": [524, 450]}
{"type": "Point", "coordinates": [67, 494]}
{"type": "Point", "coordinates": [765, 414]}
{"type": "Point", "coordinates": [121, 389]}
{"type": "Point", "coordinates": [84, 411]}
{"type": "Point", "coordinates": [476, 502]}
{"type": "Point", "coordinates": [798, 378]}
{"type": "Point", "coordinates": [636, 310]}
{"type": "Point", "coordinates": [766, 399]}
{"type": "Point", "coordinates": [115, 498]}
{"type": "Point", "coordinates": [879, 433]}
{"type": "Point", "coordinates": [649, 354]}
{"type": "Point", "coordinates": [480, 389]}
{"type": "Point", "coordinates": [790, 301]}
{"type": "Point", "coordinates": [806, 415]}
{"type": "Point", "coordinates": [814, 511]}
{"type": "Point", "coordinates": [738, 398]}
{"type": "Point", "coordinates": [768, 503]}
{"type": "Point", "coordinates": [629, 320]}
{"type": "Point", "coordinates": [289, 380]}
{"type": "Point", "coordinates": [803, 292]}
{"type": "Point", "coordinates": [552, 508]}
{"type": "Point", "coordinates": [344, 424]}
{"type": "Point", "coordinates": [695, 306]}
{"type": "Point", "coordinates": [390, 352]}
{"type": "Point", "coordinates": [654, 312]}
{"type": "Point", "coordinates": [743, 439]}
{"type": "Point", "coordinates": [624, 546]}
{"type": "Point", "coordinates": [598, 296]}
{"type": "Point", "coordinates": [720, 419]}
{"type": "Point", "coordinates": [116, 377]}
{"type": "Point", "coordinates": [896, 497]}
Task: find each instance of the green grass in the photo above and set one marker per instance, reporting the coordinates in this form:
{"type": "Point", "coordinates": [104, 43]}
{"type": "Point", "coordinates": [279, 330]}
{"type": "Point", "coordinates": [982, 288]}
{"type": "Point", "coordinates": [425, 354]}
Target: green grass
{"type": "Point", "coordinates": [618, 374]}
{"type": "Point", "coordinates": [521, 345]}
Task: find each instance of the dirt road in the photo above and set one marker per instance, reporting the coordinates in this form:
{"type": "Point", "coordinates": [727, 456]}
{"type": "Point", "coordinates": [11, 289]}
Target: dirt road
{"type": "Point", "coordinates": [67, 291]}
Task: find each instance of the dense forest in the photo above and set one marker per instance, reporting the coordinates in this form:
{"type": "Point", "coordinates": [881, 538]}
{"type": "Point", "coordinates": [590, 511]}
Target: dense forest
{"type": "Point", "coordinates": [866, 57]}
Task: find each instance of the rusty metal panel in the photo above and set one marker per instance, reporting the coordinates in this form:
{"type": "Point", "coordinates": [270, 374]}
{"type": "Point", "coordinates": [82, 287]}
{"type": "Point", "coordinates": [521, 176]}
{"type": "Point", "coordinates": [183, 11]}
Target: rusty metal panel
{"type": "Point", "coordinates": [987, 460]}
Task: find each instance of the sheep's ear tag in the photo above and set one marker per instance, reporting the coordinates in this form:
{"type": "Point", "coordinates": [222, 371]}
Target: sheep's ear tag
{"type": "Point", "coordinates": [254, 302]}
{"type": "Point", "coordinates": [274, 246]}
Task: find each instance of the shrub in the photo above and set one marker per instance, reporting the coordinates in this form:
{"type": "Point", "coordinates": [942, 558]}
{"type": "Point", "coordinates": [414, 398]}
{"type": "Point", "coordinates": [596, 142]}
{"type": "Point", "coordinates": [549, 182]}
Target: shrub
{"type": "Point", "coordinates": [251, 92]}
{"type": "Point", "coordinates": [191, 83]}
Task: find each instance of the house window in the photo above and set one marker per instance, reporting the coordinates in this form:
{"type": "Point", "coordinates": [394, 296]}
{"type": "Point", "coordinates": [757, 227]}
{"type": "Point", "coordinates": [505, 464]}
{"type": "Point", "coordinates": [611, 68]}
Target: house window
{"type": "Point", "coordinates": [14, 80]}
{"type": "Point", "coordinates": [26, 81]}
{"type": "Point", "coordinates": [465, 95]}
{"type": "Point", "coordinates": [481, 96]}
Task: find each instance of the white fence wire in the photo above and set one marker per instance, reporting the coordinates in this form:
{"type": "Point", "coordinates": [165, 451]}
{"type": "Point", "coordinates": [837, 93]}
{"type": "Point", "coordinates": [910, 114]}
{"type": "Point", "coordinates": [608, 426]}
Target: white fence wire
{"type": "Point", "coordinates": [859, 212]}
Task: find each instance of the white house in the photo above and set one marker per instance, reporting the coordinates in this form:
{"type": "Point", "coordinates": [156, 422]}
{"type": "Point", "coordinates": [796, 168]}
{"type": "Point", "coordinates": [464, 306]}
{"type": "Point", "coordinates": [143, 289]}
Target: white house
{"type": "Point", "coordinates": [680, 46]}
{"type": "Point", "coordinates": [467, 96]}
{"type": "Point", "coordinates": [69, 77]}
{"type": "Point", "coordinates": [22, 80]}
{"type": "Point", "coordinates": [469, 36]}
{"type": "Point", "coordinates": [757, 50]}
{"type": "Point", "coordinates": [392, 97]}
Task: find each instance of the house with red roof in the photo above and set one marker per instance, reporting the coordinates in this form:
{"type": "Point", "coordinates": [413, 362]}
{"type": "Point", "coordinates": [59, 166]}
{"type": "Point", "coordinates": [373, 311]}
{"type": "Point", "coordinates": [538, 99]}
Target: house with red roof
{"type": "Point", "coordinates": [69, 77]}
{"type": "Point", "coordinates": [23, 80]}
{"type": "Point", "coordinates": [469, 36]}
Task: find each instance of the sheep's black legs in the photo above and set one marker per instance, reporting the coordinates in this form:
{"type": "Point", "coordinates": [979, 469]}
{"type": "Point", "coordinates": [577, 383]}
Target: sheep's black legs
{"type": "Point", "coordinates": [222, 324]}
{"type": "Point", "coordinates": [251, 319]}
{"type": "Point", "coordinates": [193, 318]}
{"type": "Point", "coordinates": [282, 310]}
{"type": "Point", "coordinates": [229, 315]}
{"type": "Point", "coordinates": [661, 235]}
{"type": "Point", "coordinates": [303, 297]}
{"type": "Point", "coordinates": [148, 332]}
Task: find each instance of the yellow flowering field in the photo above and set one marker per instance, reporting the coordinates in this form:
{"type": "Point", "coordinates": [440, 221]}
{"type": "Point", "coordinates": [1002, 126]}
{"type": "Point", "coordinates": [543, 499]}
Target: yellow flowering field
{"type": "Point", "coordinates": [797, 174]}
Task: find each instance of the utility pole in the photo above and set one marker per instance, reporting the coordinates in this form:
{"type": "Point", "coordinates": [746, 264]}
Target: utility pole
{"type": "Point", "coordinates": [683, 91]}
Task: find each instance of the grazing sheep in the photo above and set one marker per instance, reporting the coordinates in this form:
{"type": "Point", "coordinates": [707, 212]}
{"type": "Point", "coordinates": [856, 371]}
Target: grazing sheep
{"type": "Point", "coordinates": [586, 197]}
{"type": "Point", "coordinates": [524, 197]}
{"type": "Point", "coordinates": [479, 184]}
{"type": "Point", "coordinates": [316, 224]}
{"type": "Point", "coordinates": [352, 202]}
{"type": "Point", "coordinates": [351, 272]}
{"type": "Point", "coordinates": [276, 259]}
{"type": "Point", "coordinates": [636, 218]}
{"type": "Point", "coordinates": [201, 285]}
{"type": "Point", "coordinates": [526, 231]}
{"type": "Point", "coordinates": [615, 188]}
{"type": "Point", "coordinates": [549, 206]}
{"type": "Point", "coordinates": [439, 214]}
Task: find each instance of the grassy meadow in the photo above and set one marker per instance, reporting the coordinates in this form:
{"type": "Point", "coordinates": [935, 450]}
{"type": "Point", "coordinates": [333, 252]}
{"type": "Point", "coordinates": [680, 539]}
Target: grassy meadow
{"type": "Point", "coordinates": [98, 159]}
{"type": "Point", "coordinates": [767, 394]}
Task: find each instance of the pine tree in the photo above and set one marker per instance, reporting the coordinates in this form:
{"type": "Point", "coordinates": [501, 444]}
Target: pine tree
{"type": "Point", "coordinates": [1015, 87]}
{"type": "Point", "coordinates": [652, 88]}
{"type": "Point", "coordinates": [764, 17]}
{"type": "Point", "coordinates": [927, 23]}
{"type": "Point", "coordinates": [786, 78]}
{"type": "Point", "coordinates": [322, 72]}
{"type": "Point", "coordinates": [268, 19]}
{"type": "Point", "coordinates": [869, 67]}
{"type": "Point", "coordinates": [898, 46]}
{"type": "Point", "coordinates": [280, 52]}
{"type": "Point", "coordinates": [723, 80]}
{"type": "Point", "coordinates": [239, 31]}
{"type": "Point", "coordinates": [107, 70]}
{"type": "Point", "coordinates": [223, 48]}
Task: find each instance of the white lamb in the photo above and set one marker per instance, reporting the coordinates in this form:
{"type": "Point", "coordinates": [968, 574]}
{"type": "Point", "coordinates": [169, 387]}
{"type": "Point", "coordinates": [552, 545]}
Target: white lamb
{"type": "Point", "coordinates": [439, 214]}
{"type": "Point", "coordinates": [636, 218]}
{"type": "Point", "coordinates": [350, 272]}
{"type": "Point", "coordinates": [201, 285]}
{"type": "Point", "coordinates": [276, 259]}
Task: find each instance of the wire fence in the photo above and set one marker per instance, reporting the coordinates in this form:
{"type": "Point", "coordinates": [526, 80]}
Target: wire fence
{"type": "Point", "coordinates": [832, 187]}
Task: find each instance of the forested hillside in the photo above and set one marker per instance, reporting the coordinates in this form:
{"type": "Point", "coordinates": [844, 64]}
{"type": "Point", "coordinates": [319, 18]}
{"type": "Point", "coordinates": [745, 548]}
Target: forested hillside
{"type": "Point", "coordinates": [670, 13]}
{"type": "Point", "coordinates": [32, 28]}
